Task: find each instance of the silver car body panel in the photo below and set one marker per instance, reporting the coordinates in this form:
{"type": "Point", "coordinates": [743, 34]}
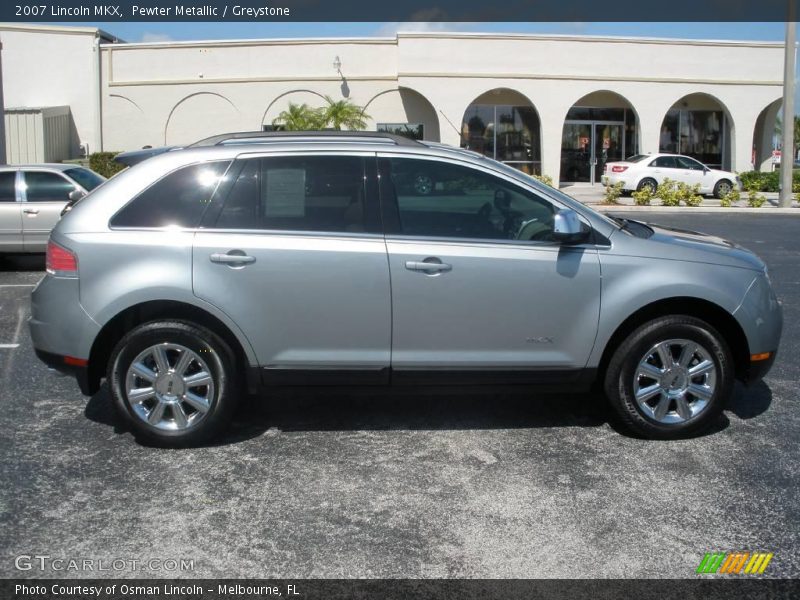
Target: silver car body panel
{"type": "Point", "coordinates": [350, 302]}
{"type": "Point", "coordinates": [11, 218]}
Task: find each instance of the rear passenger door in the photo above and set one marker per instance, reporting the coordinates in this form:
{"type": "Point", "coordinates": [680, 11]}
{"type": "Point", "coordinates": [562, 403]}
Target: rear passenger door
{"type": "Point", "coordinates": [45, 194]}
{"type": "Point", "coordinates": [10, 213]}
{"type": "Point", "coordinates": [293, 252]}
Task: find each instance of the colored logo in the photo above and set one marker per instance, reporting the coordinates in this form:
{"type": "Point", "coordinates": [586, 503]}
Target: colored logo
{"type": "Point", "coordinates": [737, 563]}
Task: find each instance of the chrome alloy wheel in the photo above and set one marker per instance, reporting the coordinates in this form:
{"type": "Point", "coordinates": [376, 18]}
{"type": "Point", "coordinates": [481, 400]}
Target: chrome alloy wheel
{"type": "Point", "coordinates": [724, 188]}
{"type": "Point", "coordinates": [674, 381]}
{"type": "Point", "coordinates": [169, 387]}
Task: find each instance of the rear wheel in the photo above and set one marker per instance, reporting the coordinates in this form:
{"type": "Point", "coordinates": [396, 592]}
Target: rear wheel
{"type": "Point", "coordinates": [722, 188]}
{"type": "Point", "coordinates": [670, 378]}
{"type": "Point", "coordinates": [173, 381]}
{"type": "Point", "coordinates": [647, 183]}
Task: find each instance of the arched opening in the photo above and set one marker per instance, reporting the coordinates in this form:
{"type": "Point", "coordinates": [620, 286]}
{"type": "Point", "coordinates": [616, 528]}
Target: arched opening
{"type": "Point", "coordinates": [601, 127]}
{"type": "Point", "coordinates": [503, 124]}
{"type": "Point", "coordinates": [281, 103]}
{"type": "Point", "coordinates": [699, 125]}
{"type": "Point", "coordinates": [765, 139]}
{"type": "Point", "coordinates": [405, 112]}
{"type": "Point", "coordinates": [199, 116]}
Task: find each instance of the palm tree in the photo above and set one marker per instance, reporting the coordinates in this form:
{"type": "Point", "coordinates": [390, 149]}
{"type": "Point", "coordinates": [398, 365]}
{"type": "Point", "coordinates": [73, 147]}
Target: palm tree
{"type": "Point", "coordinates": [779, 132]}
{"type": "Point", "coordinates": [300, 117]}
{"type": "Point", "coordinates": [343, 113]}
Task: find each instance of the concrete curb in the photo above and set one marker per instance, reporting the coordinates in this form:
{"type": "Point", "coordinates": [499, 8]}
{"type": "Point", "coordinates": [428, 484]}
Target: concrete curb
{"type": "Point", "coordinates": [695, 209]}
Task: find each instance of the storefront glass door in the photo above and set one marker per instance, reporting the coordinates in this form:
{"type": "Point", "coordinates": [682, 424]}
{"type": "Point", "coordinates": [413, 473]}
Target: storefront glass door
{"type": "Point", "coordinates": [586, 147]}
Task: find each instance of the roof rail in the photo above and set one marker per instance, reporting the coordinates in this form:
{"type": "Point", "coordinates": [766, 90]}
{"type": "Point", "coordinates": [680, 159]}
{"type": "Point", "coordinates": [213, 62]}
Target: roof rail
{"type": "Point", "coordinates": [331, 137]}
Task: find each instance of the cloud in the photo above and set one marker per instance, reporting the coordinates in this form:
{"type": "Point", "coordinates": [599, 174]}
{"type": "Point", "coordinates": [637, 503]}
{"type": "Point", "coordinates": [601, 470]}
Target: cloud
{"type": "Point", "coordinates": [391, 29]}
{"type": "Point", "coordinates": [156, 37]}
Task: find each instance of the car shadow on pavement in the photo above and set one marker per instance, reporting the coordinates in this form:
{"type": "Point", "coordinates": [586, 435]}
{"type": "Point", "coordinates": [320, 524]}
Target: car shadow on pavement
{"type": "Point", "coordinates": [332, 409]}
{"type": "Point", "coordinates": [22, 262]}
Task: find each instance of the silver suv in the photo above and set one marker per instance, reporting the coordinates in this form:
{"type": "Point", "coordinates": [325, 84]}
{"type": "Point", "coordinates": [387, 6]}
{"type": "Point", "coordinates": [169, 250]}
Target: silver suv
{"type": "Point", "coordinates": [251, 261]}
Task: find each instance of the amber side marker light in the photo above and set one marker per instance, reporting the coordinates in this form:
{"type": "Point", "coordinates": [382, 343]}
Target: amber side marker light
{"type": "Point", "coordinates": [758, 357]}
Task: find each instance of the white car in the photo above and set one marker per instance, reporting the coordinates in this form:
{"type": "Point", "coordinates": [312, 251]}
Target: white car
{"type": "Point", "coordinates": [648, 170]}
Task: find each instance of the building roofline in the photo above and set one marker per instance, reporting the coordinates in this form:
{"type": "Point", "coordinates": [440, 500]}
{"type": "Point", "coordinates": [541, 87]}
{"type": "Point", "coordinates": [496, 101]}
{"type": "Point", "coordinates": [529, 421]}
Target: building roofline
{"type": "Point", "coordinates": [60, 29]}
{"type": "Point", "coordinates": [587, 38]}
{"type": "Point", "coordinates": [448, 35]}
{"type": "Point", "coordinates": [257, 42]}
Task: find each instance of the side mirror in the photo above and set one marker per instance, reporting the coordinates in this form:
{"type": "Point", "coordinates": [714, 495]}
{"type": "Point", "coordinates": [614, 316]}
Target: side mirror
{"type": "Point", "coordinates": [76, 195]}
{"type": "Point", "coordinates": [567, 227]}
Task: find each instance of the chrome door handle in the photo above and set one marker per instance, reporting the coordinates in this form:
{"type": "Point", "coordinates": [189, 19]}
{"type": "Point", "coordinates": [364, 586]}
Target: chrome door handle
{"type": "Point", "coordinates": [232, 259]}
{"type": "Point", "coordinates": [428, 267]}
{"type": "Point", "coordinates": [31, 211]}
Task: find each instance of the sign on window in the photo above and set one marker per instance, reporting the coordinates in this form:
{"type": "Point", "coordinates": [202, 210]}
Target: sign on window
{"type": "Point", "coordinates": [285, 193]}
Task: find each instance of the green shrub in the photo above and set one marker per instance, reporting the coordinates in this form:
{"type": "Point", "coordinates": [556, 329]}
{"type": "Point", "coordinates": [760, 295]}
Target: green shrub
{"type": "Point", "coordinates": [768, 181]}
{"type": "Point", "coordinates": [642, 197]}
{"type": "Point", "coordinates": [545, 179]}
{"type": "Point", "coordinates": [668, 192]}
{"type": "Point", "coordinates": [103, 163]}
{"type": "Point", "coordinates": [689, 194]}
{"type": "Point", "coordinates": [754, 199]}
{"type": "Point", "coordinates": [730, 198]}
{"type": "Point", "coordinates": [612, 193]}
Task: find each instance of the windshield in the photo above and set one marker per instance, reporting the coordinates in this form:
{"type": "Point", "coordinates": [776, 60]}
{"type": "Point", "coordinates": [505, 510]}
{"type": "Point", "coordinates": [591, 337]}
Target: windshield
{"type": "Point", "coordinates": [87, 179]}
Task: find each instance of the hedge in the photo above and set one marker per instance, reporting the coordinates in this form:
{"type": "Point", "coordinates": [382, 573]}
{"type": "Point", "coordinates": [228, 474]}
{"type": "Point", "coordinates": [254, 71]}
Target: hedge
{"type": "Point", "coordinates": [767, 181]}
{"type": "Point", "coordinates": [103, 163]}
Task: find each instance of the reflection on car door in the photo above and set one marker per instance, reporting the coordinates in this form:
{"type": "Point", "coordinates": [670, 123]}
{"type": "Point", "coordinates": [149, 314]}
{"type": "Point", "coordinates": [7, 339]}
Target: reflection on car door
{"type": "Point", "coordinates": [693, 173]}
{"type": "Point", "coordinates": [296, 252]}
{"type": "Point", "coordinates": [477, 288]}
{"type": "Point", "coordinates": [10, 213]}
{"type": "Point", "coordinates": [44, 196]}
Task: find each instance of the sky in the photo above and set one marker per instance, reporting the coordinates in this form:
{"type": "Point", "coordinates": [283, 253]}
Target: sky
{"type": "Point", "coordinates": [138, 32]}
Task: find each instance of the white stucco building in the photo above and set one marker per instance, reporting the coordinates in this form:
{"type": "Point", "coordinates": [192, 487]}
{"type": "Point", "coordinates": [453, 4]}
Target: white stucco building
{"type": "Point", "coordinates": [553, 104]}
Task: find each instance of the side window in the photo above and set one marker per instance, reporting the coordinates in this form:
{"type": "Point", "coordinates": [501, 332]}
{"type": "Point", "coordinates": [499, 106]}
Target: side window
{"type": "Point", "coordinates": [439, 199]}
{"type": "Point", "coordinates": [664, 162]}
{"type": "Point", "coordinates": [42, 186]}
{"type": "Point", "coordinates": [7, 186]}
{"type": "Point", "coordinates": [685, 162]}
{"type": "Point", "coordinates": [176, 200]}
{"type": "Point", "coordinates": [297, 193]}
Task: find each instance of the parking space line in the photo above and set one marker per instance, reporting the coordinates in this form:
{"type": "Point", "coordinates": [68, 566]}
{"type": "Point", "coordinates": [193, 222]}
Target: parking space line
{"type": "Point", "coordinates": [17, 285]}
{"type": "Point", "coordinates": [8, 346]}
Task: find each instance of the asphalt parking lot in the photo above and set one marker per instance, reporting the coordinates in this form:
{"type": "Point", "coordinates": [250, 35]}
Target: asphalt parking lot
{"type": "Point", "coordinates": [394, 486]}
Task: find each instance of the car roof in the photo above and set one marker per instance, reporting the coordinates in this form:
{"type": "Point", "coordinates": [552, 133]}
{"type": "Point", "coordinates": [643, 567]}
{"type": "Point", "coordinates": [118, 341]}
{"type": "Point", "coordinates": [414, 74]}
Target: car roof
{"type": "Point", "coordinates": [43, 166]}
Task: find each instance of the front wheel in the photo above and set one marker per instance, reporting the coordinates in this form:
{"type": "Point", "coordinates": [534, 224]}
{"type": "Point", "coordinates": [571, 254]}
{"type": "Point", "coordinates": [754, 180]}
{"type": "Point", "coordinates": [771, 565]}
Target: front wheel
{"type": "Point", "coordinates": [723, 188]}
{"type": "Point", "coordinates": [173, 381]}
{"type": "Point", "coordinates": [670, 378]}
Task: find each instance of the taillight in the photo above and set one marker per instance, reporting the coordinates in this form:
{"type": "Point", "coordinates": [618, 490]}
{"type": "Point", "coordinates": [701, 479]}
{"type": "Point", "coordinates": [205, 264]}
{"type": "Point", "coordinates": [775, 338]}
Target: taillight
{"type": "Point", "coordinates": [60, 261]}
{"type": "Point", "coordinates": [619, 169]}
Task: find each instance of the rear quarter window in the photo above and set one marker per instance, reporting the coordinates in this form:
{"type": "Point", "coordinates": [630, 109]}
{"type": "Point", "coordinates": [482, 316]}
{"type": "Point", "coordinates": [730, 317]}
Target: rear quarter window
{"type": "Point", "coordinates": [176, 200]}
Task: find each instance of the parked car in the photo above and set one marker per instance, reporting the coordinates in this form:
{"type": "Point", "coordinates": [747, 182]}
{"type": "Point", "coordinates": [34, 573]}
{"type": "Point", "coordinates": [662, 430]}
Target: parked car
{"type": "Point", "coordinates": [32, 198]}
{"type": "Point", "coordinates": [648, 170]}
{"type": "Point", "coordinates": [203, 273]}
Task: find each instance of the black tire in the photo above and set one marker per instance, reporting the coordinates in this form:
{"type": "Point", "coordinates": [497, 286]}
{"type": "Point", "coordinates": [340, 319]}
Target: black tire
{"type": "Point", "coordinates": [720, 188]}
{"type": "Point", "coordinates": [209, 348]}
{"type": "Point", "coordinates": [647, 182]}
{"type": "Point", "coordinates": [624, 365]}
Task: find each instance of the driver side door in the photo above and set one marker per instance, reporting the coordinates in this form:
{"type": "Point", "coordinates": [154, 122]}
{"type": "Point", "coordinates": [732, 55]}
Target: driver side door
{"type": "Point", "coordinates": [479, 290]}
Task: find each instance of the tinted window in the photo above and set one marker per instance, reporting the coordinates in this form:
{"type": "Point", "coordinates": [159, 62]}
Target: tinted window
{"type": "Point", "coordinates": [439, 199]}
{"type": "Point", "coordinates": [42, 186]}
{"type": "Point", "coordinates": [7, 190]}
{"type": "Point", "coordinates": [300, 193]}
{"type": "Point", "coordinates": [689, 163]}
{"type": "Point", "coordinates": [177, 200]}
{"type": "Point", "coordinates": [86, 178]}
{"type": "Point", "coordinates": [667, 162]}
